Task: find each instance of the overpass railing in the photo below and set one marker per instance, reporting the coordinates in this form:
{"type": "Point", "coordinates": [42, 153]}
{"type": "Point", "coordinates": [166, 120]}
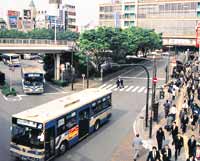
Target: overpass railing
{"type": "Point", "coordinates": [36, 42]}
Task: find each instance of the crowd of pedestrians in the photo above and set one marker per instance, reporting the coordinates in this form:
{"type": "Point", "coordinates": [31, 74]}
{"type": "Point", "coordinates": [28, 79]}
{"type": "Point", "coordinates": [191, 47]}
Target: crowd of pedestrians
{"type": "Point", "coordinates": [189, 118]}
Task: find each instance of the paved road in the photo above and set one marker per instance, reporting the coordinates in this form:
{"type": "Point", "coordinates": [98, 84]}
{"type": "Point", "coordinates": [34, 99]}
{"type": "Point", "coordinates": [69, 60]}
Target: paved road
{"type": "Point", "coordinates": [100, 145]}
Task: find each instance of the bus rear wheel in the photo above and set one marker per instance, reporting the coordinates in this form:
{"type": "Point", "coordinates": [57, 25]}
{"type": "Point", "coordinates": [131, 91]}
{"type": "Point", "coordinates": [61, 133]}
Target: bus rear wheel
{"type": "Point", "coordinates": [63, 148]}
{"type": "Point", "coordinates": [97, 125]}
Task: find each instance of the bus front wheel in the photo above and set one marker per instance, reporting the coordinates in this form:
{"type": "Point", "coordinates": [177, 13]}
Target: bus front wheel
{"type": "Point", "coordinates": [63, 148]}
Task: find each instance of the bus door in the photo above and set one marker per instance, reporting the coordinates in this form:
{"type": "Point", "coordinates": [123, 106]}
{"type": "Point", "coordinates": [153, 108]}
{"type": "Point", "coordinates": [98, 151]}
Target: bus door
{"type": "Point", "coordinates": [84, 120]}
{"type": "Point", "coordinates": [49, 142]}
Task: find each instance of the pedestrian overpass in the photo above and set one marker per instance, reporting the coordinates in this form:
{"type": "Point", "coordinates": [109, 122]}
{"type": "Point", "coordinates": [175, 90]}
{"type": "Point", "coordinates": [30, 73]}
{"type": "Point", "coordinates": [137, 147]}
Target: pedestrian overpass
{"type": "Point", "coordinates": [24, 46]}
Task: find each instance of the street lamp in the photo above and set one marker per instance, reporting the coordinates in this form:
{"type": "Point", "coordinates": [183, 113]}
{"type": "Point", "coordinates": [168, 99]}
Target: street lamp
{"type": "Point", "coordinates": [153, 92]}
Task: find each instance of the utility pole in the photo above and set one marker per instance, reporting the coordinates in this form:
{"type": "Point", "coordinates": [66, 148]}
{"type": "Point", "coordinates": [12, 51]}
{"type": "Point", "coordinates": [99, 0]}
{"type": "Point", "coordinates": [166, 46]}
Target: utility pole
{"type": "Point", "coordinates": [72, 69]}
{"type": "Point", "coordinates": [153, 96]}
{"type": "Point", "coordinates": [87, 71]}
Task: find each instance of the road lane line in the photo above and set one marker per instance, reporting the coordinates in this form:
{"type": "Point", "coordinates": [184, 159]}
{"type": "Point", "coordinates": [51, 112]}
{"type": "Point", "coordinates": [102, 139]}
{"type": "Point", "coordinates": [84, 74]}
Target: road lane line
{"type": "Point", "coordinates": [129, 88]}
{"type": "Point", "coordinates": [122, 89]}
{"type": "Point", "coordinates": [141, 89]}
{"type": "Point", "coordinates": [135, 89]}
{"type": "Point", "coordinates": [103, 86]}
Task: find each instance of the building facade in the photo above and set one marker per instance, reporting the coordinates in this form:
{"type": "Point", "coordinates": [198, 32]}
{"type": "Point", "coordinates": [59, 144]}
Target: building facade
{"type": "Point", "coordinates": [69, 17]}
{"type": "Point", "coordinates": [175, 19]}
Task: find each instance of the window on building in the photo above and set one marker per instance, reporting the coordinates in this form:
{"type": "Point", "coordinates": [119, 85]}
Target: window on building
{"type": "Point", "coordinates": [126, 23]}
{"type": "Point", "coordinates": [101, 9]}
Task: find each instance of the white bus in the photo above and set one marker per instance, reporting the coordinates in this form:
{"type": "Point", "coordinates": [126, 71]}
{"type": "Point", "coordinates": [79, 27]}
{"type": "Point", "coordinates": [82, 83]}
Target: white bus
{"type": "Point", "coordinates": [32, 80]}
{"type": "Point", "coordinates": [11, 59]}
{"type": "Point", "coordinates": [43, 132]}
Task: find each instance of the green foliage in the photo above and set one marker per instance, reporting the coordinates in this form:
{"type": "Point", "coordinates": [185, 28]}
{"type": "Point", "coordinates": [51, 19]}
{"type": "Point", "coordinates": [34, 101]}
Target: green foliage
{"type": "Point", "coordinates": [105, 42]}
{"type": "Point", "coordinates": [39, 34]}
{"type": "Point", "coordinates": [5, 90]}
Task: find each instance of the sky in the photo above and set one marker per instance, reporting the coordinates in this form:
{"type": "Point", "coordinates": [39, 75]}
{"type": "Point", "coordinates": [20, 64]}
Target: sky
{"type": "Point", "coordinates": [87, 10]}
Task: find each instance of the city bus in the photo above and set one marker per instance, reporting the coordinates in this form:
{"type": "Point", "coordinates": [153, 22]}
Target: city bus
{"type": "Point", "coordinates": [32, 79]}
{"type": "Point", "coordinates": [50, 129]}
{"type": "Point", "coordinates": [11, 59]}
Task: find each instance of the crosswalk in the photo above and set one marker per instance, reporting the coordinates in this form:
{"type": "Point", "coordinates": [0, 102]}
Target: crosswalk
{"type": "Point", "coordinates": [127, 88]}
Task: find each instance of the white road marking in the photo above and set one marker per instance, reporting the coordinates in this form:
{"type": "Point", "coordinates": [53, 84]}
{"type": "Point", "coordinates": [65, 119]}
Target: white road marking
{"type": "Point", "coordinates": [122, 89]}
{"type": "Point", "coordinates": [141, 89]}
{"type": "Point", "coordinates": [102, 86]}
{"type": "Point", "coordinates": [108, 86]}
{"type": "Point", "coordinates": [114, 86]}
{"type": "Point", "coordinates": [135, 89]}
{"type": "Point", "coordinates": [129, 88]}
{"type": "Point", "coordinates": [116, 89]}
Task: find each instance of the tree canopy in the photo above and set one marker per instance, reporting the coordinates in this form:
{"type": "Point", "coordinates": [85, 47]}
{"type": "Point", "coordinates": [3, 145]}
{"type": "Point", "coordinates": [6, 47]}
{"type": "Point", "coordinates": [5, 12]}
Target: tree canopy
{"type": "Point", "coordinates": [39, 34]}
{"type": "Point", "coordinates": [105, 42]}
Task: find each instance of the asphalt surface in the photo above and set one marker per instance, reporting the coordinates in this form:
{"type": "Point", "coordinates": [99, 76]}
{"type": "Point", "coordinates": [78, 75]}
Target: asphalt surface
{"type": "Point", "coordinates": [100, 145]}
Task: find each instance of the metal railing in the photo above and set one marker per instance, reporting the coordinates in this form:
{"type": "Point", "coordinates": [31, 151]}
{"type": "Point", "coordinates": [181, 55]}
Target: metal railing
{"type": "Point", "coordinates": [35, 42]}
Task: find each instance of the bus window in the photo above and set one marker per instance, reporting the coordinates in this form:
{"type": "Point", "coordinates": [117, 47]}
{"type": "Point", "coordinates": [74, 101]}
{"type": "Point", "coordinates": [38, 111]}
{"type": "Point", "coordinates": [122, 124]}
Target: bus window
{"type": "Point", "coordinates": [71, 120]}
{"type": "Point", "coordinates": [61, 126]}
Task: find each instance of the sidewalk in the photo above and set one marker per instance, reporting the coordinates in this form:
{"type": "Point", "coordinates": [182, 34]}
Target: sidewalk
{"type": "Point", "coordinates": [125, 151]}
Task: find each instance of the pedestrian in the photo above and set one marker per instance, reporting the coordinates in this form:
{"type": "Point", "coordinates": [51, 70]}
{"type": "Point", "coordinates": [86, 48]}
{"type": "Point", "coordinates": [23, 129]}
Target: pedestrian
{"type": "Point", "coordinates": [184, 122]}
{"type": "Point", "coordinates": [173, 94]}
{"type": "Point", "coordinates": [185, 105]}
{"type": "Point", "coordinates": [160, 137]}
{"type": "Point", "coordinates": [192, 146]}
{"type": "Point", "coordinates": [178, 143]}
{"type": "Point", "coordinates": [153, 155]}
{"type": "Point", "coordinates": [166, 108]}
{"type": "Point", "coordinates": [137, 144]}
{"type": "Point", "coordinates": [173, 111]}
{"type": "Point", "coordinates": [118, 82]}
{"type": "Point", "coordinates": [166, 153]}
{"type": "Point", "coordinates": [191, 158]}
{"type": "Point", "coordinates": [194, 119]}
{"type": "Point", "coordinates": [122, 83]}
{"type": "Point", "coordinates": [174, 131]}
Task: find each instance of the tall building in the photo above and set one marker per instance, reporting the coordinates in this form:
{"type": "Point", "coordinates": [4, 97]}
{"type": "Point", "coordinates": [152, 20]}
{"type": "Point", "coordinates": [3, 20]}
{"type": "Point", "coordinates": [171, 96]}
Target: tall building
{"type": "Point", "coordinates": [69, 17]}
{"type": "Point", "coordinates": [175, 19]}
{"type": "Point", "coordinates": [117, 14]}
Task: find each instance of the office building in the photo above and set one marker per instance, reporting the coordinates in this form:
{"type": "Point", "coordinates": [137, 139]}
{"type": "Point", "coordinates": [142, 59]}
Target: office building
{"type": "Point", "coordinates": [69, 17]}
{"type": "Point", "coordinates": [175, 19]}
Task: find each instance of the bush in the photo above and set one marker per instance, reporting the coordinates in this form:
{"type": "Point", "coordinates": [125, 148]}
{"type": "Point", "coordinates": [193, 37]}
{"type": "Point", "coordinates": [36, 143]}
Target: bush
{"type": "Point", "coordinates": [7, 91]}
{"type": "Point", "coordinates": [61, 83]}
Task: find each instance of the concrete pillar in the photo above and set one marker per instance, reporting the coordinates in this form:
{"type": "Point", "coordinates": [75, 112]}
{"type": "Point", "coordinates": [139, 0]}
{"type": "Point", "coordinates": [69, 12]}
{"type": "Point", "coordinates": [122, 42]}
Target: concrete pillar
{"type": "Point", "coordinates": [57, 67]}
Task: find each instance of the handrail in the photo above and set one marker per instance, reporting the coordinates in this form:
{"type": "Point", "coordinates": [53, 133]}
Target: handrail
{"type": "Point", "coordinates": [35, 42]}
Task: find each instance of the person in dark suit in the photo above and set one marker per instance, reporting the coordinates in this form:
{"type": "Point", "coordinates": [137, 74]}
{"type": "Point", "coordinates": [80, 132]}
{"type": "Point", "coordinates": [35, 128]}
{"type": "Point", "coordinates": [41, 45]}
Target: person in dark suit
{"type": "Point", "coordinates": [184, 122]}
{"type": "Point", "coordinates": [178, 143]}
{"type": "Point", "coordinates": [160, 137]}
{"type": "Point", "coordinates": [153, 155]}
{"type": "Point", "coordinates": [174, 131]}
{"type": "Point", "coordinates": [192, 146]}
{"type": "Point", "coordinates": [166, 153]}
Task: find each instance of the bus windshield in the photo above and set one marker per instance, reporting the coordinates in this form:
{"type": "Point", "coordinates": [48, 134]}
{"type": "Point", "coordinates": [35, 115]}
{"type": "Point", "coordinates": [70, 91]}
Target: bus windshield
{"type": "Point", "coordinates": [27, 136]}
{"type": "Point", "coordinates": [33, 79]}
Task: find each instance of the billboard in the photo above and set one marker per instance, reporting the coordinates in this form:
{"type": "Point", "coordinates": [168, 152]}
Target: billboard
{"type": "Point", "coordinates": [27, 14]}
{"type": "Point", "coordinates": [13, 13]}
{"type": "Point", "coordinates": [12, 21]}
